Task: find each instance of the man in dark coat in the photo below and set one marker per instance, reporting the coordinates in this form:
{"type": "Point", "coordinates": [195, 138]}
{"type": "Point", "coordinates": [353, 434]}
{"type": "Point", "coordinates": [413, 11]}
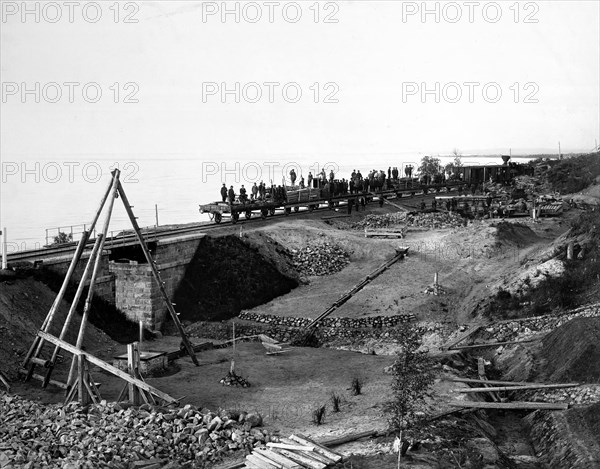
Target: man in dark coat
{"type": "Point", "coordinates": [231, 194]}
{"type": "Point", "coordinates": [224, 192]}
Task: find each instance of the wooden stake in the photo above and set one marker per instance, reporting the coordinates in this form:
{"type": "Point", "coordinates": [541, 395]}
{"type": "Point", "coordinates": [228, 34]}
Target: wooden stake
{"type": "Point", "coordinates": [134, 393]}
{"type": "Point", "coordinates": [90, 295]}
{"type": "Point", "coordinates": [156, 275]}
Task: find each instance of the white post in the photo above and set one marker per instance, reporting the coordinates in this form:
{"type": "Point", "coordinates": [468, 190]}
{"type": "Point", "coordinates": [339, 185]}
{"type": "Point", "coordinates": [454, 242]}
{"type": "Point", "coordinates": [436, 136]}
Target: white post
{"type": "Point", "coordinates": [4, 250]}
{"type": "Point", "coordinates": [156, 213]}
{"type": "Point", "coordinates": [141, 332]}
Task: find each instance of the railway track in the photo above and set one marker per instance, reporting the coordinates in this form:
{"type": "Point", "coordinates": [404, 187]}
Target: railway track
{"type": "Point", "coordinates": [153, 234]}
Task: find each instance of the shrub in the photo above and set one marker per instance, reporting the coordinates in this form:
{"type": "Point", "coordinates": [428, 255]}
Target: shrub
{"type": "Point", "coordinates": [356, 386]}
{"type": "Point", "coordinates": [336, 400]}
{"type": "Point", "coordinates": [318, 415]}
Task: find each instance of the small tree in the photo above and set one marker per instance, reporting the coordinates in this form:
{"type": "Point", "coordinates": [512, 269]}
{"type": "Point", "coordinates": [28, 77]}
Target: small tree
{"type": "Point", "coordinates": [63, 238]}
{"type": "Point", "coordinates": [413, 376]}
{"type": "Point", "coordinates": [430, 167]}
{"type": "Point", "coordinates": [453, 168]}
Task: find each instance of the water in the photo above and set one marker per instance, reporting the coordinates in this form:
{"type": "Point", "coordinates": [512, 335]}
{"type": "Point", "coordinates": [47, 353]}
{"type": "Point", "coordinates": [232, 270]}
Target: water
{"type": "Point", "coordinates": [47, 194]}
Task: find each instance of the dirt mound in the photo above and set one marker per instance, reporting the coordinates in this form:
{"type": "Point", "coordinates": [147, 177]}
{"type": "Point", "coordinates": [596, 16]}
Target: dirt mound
{"type": "Point", "coordinates": [228, 274]}
{"type": "Point", "coordinates": [24, 303]}
{"type": "Point", "coordinates": [515, 234]}
{"type": "Point", "coordinates": [572, 352]}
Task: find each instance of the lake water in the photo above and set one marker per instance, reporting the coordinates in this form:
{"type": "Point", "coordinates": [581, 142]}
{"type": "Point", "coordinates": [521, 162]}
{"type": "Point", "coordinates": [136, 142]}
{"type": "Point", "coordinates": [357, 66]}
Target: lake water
{"type": "Point", "coordinates": [47, 194]}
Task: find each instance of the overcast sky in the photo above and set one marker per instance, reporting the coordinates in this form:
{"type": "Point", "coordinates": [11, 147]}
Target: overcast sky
{"type": "Point", "coordinates": [375, 57]}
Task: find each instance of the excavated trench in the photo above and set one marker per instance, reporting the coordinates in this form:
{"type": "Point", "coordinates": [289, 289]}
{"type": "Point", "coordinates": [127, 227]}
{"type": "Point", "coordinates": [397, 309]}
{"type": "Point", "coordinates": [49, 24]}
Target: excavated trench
{"type": "Point", "coordinates": [569, 438]}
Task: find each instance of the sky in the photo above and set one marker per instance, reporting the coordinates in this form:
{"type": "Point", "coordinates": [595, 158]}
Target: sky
{"type": "Point", "coordinates": [506, 75]}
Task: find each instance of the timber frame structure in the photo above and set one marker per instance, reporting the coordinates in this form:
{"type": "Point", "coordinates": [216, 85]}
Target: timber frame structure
{"type": "Point", "coordinates": [84, 385]}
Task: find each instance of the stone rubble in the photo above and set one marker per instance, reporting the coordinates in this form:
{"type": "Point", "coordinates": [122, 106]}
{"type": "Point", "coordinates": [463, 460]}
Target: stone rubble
{"type": "Point", "coordinates": [436, 220]}
{"type": "Point", "coordinates": [232, 379]}
{"type": "Point", "coordinates": [34, 435]}
{"type": "Point", "coordinates": [587, 394]}
{"type": "Point", "coordinates": [320, 259]}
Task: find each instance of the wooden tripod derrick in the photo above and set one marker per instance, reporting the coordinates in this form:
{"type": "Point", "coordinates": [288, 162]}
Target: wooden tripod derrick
{"type": "Point", "coordinates": [79, 378]}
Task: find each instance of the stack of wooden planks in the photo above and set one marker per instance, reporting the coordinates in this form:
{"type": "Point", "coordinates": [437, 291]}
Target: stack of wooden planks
{"type": "Point", "coordinates": [297, 452]}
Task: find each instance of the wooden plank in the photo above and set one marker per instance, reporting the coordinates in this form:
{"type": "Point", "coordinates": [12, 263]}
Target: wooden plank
{"type": "Point", "coordinates": [510, 405]}
{"type": "Point", "coordinates": [254, 459]}
{"type": "Point", "coordinates": [460, 338]}
{"type": "Point", "coordinates": [318, 448]}
{"type": "Point", "coordinates": [300, 459]}
{"type": "Point", "coordinates": [291, 447]}
{"type": "Point", "coordinates": [268, 463]}
{"type": "Point", "coordinates": [249, 463]}
{"type": "Point", "coordinates": [310, 452]}
{"type": "Point", "coordinates": [516, 388]}
{"type": "Point", "coordinates": [278, 458]}
{"type": "Point", "coordinates": [492, 344]}
{"type": "Point", "coordinates": [348, 438]}
{"type": "Point", "coordinates": [490, 381]}
{"type": "Point", "coordinates": [105, 366]}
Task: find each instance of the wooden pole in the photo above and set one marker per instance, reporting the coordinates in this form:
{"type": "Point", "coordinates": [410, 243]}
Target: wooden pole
{"type": "Point", "coordinates": [156, 275]}
{"type": "Point", "coordinates": [517, 388]}
{"type": "Point", "coordinates": [4, 250]}
{"type": "Point", "coordinates": [38, 342]}
{"type": "Point", "coordinates": [72, 309]}
{"type": "Point", "coordinates": [134, 392]}
{"type": "Point", "coordinates": [90, 295]}
{"type": "Point", "coordinates": [510, 405]}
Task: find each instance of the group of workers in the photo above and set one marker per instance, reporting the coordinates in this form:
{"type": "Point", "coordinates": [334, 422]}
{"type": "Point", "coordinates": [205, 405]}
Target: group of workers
{"type": "Point", "coordinates": [375, 181]}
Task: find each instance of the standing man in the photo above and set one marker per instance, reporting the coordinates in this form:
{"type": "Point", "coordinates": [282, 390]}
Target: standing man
{"type": "Point", "coordinates": [254, 194]}
{"type": "Point", "coordinates": [224, 193]}
{"type": "Point", "coordinates": [231, 194]}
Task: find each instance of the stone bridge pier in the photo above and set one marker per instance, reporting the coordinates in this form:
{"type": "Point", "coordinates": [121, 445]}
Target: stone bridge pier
{"type": "Point", "coordinates": [137, 294]}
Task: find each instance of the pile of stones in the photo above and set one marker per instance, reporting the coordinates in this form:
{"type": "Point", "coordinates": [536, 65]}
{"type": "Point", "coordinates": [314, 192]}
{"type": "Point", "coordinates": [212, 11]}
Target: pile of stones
{"type": "Point", "coordinates": [233, 379]}
{"type": "Point", "coordinates": [436, 220]}
{"type": "Point", "coordinates": [320, 259]}
{"type": "Point", "coordinates": [34, 435]}
{"type": "Point", "coordinates": [587, 394]}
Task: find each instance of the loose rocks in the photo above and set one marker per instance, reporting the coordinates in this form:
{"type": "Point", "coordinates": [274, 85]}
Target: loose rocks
{"type": "Point", "coordinates": [321, 259]}
{"type": "Point", "coordinates": [34, 435]}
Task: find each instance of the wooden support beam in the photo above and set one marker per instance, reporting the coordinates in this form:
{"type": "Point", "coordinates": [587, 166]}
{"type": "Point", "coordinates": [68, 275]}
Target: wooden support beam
{"type": "Point", "coordinates": [491, 344]}
{"type": "Point", "coordinates": [255, 461]}
{"type": "Point", "coordinates": [156, 274]}
{"type": "Point", "coordinates": [106, 367]}
{"type": "Point", "coordinates": [278, 458]}
{"type": "Point", "coordinates": [516, 388]}
{"type": "Point", "coordinates": [510, 405]}
{"type": "Point", "coordinates": [460, 338]}
{"type": "Point", "coordinates": [309, 452]}
{"type": "Point", "coordinates": [318, 448]}
{"type": "Point", "coordinates": [300, 459]}
{"type": "Point", "coordinates": [291, 447]}
{"type": "Point", "coordinates": [491, 381]}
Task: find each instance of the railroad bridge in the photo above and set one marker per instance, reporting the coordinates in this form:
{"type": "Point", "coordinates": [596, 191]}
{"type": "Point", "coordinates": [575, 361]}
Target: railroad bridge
{"type": "Point", "coordinates": [125, 279]}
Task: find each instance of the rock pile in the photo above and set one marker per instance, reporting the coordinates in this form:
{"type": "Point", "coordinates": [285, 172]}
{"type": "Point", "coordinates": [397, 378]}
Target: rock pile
{"type": "Point", "coordinates": [233, 379]}
{"type": "Point", "coordinates": [581, 395]}
{"type": "Point", "coordinates": [33, 435]}
{"type": "Point", "coordinates": [320, 259]}
{"type": "Point", "coordinates": [434, 220]}
{"type": "Point", "coordinates": [527, 327]}
{"type": "Point", "coordinates": [378, 322]}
